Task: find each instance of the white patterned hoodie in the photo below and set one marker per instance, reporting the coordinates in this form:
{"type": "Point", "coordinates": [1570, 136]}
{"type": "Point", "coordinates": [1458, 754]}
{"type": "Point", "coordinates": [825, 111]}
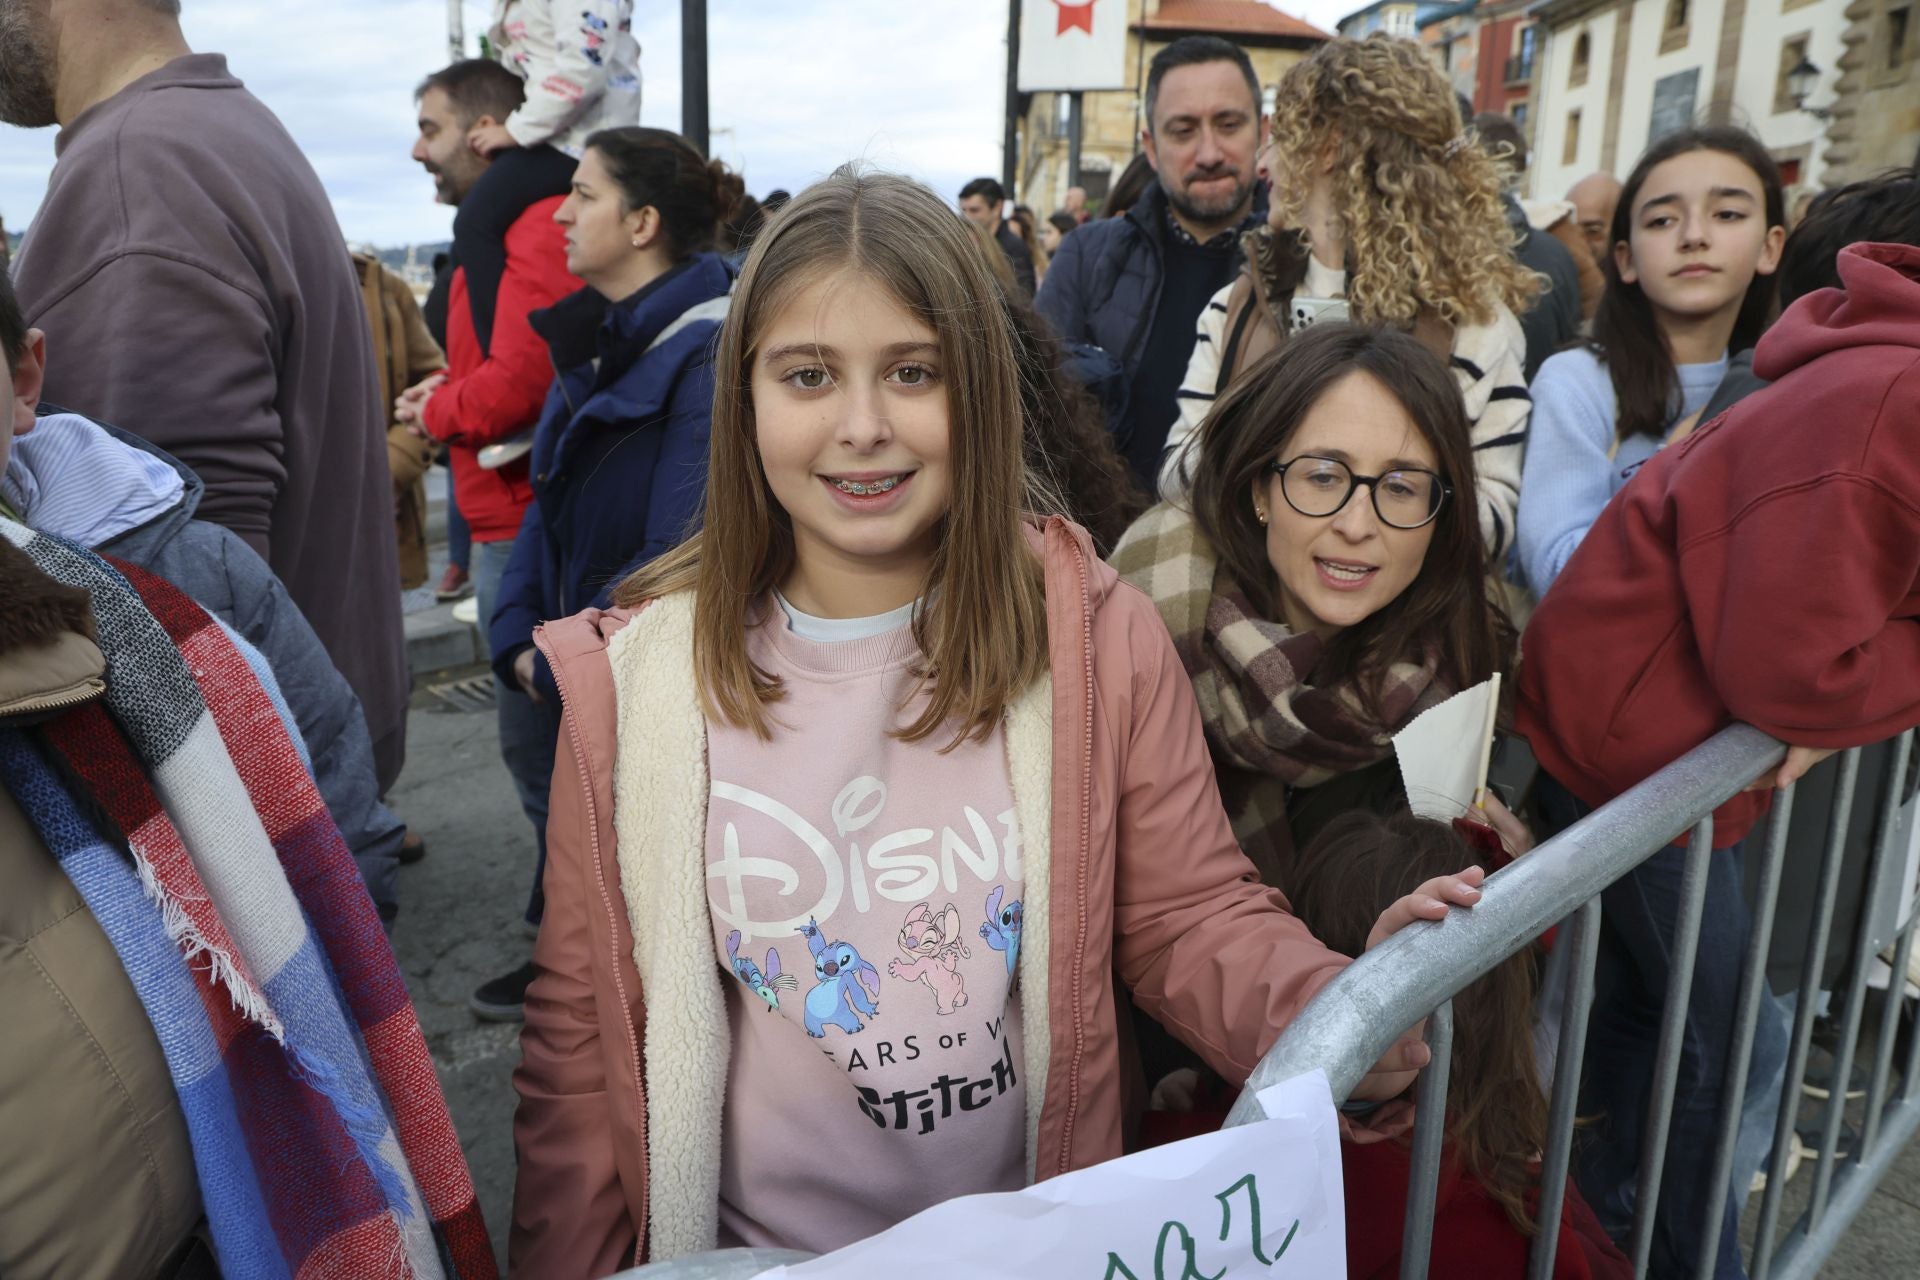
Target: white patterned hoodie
{"type": "Point", "coordinates": [581, 64]}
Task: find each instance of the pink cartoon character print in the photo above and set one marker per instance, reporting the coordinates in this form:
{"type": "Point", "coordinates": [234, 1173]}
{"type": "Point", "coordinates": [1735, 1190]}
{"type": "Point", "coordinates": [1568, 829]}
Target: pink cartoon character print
{"type": "Point", "coordinates": [932, 943]}
{"type": "Point", "coordinates": [766, 983]}
{"type": "Point", "coordinates": [1002, 929]}
{"type": "Point", "coordinates": [845, 980]}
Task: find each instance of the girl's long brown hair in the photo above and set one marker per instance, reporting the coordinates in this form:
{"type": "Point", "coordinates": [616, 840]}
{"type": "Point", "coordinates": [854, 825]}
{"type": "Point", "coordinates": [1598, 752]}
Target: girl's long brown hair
{"type": "Point", "coordinates": [983, 628]}
{"type": "Point", "coordinates": [1445, 612]}
{"type": "Point", "coordinates": [1356, 867]}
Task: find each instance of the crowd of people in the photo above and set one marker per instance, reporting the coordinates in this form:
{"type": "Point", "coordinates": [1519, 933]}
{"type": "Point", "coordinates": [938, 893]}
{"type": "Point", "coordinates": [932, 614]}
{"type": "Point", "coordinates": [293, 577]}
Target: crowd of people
{"type": "Point", "coordinates": [882, 592]}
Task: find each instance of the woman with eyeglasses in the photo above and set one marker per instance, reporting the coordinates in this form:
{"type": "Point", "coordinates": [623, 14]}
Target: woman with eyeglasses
{"type": "Point", "coordinates": [1325, 580]}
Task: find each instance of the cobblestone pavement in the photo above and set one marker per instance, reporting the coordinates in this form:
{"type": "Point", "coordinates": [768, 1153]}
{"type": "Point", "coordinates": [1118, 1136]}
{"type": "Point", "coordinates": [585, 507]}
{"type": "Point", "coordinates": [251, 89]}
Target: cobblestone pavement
{"type": "Point", "coordinates": [459, 925]}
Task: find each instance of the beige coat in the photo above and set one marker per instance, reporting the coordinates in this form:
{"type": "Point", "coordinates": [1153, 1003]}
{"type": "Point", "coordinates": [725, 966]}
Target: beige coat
{"type": "Point", "coordinates": [404, 353]}
{"type": "Point", "coordinates": [98, 1178]}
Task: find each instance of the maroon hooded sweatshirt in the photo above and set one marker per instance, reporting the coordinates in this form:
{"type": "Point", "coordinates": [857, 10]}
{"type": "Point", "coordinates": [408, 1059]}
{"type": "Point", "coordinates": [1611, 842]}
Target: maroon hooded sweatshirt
{"type": "Point", "coordinates": [1766, 569]}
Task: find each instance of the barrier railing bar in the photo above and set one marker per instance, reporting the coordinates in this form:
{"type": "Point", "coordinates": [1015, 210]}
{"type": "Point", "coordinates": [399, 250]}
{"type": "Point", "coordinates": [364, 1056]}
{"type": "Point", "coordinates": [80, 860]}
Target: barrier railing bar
{"type": "Point", "coordinates": [1753, 979]}
{"type": "Point", "coordinates": [1889, 1033]}
{"type": "Point", "coordinates": [1910, 1077]}
{"type": "Point", "coordinates": [1896, 981]}
{"type": "Point", "coordinates": [1807, 1251]}
{"type": "Point", "coordinates": [1863, 952]}
{"type": "Point", "coordinates": [1666, 1061]}
{"type": "Point", "coordinates": [1350, 1023]}
{"type": "Point", "coordinates": [1583, 945]}
{"type": "Point", "coordinates": [1429, 1133]}
{"type": "Point", "coordinates": [1811, 967]}
{"type": "Point", "coordinates": [1347, 1026]}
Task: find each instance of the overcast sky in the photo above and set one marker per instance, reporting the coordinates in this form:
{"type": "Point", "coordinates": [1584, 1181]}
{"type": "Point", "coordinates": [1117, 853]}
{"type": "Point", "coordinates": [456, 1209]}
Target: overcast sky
{"type": "Point", "coordinates": [802, 85]}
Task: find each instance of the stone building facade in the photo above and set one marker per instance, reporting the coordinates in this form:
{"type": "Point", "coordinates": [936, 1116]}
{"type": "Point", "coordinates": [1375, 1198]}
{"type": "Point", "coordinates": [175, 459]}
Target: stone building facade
{"type": "Point", "coordinates": [1614, 75]}
{"type": "Point", "coordinates": [1876, 107]}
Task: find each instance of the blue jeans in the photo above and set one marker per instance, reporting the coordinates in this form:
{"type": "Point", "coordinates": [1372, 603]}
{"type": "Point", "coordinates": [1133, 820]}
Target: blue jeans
{"type": "Point", "coordinates": [1766, 1073]}
{"type": "Point", "coordinates": [1639, 917]}
{"type": "Point", "coordinates": [529, 732]}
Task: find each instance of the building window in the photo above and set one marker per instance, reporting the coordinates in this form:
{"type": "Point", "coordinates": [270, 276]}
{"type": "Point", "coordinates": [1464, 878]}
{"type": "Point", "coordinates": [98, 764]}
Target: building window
{"type": "Point", "coordinates": [1582, 60]}
{"type": "Point", "coordinates": [1519, 113]}
{"type": "Point", "coordinates": [1673, 101]}
{"type": "Point", "coordinates": [1897, 36]}
{"type": "Point", "coordinates": [1791, 51]}
{"type": "Point", "coordinates": [1673, 34]}
{"type": "Point", "coordinates": [1570, 147]}
{"type": "Point", "coordinates": [1520, 65]}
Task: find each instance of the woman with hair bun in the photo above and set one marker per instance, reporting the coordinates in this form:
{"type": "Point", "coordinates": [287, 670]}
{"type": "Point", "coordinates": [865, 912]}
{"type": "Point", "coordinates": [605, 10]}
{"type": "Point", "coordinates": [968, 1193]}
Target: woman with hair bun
{"type": "Point", "coordinates": [619, 463]}
{"type": "Point", "coordinates": [1383, 212]}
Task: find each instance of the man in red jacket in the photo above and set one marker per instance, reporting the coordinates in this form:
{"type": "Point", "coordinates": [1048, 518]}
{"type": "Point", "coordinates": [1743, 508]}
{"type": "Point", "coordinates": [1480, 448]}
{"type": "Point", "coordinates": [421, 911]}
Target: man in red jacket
{"type": "Point", "coordinates": [485, 405]}
{"type": "Point", "coordinates": [1766, 570]}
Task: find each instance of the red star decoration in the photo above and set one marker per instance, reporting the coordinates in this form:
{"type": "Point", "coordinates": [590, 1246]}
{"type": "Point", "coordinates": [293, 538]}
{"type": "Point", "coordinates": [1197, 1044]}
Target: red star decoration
{"type": "Point", "coordinates": [1074, 15]}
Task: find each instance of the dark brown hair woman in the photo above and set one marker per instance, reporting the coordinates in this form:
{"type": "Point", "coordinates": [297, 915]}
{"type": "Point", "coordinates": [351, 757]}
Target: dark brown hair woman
{"type": "Point", "coordinates": [1325, 582]}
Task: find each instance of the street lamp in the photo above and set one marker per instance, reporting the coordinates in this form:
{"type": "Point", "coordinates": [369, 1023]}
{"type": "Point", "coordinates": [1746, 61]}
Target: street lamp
{"type": "Point", "coordinates": [1801, 81]}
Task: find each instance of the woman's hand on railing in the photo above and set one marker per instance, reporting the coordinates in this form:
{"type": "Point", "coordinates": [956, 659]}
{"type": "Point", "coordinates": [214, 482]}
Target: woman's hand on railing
{"type": "Point", "coordinates": [1397, 1069]}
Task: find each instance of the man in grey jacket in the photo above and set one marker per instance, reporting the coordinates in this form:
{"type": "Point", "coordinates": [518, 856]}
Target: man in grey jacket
{"type": "Point", "coordinates": [187, 269]}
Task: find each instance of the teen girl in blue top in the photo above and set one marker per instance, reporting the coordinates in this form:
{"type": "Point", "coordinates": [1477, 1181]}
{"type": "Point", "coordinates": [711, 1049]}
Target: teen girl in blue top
{"type": "Point", "coordinates": [1696, 237]}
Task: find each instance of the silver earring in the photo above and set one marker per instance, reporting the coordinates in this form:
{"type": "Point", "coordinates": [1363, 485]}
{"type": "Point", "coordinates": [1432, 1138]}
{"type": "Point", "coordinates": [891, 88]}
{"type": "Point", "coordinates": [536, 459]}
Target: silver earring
{"type": "Point", "coordinates": [1260, 513]}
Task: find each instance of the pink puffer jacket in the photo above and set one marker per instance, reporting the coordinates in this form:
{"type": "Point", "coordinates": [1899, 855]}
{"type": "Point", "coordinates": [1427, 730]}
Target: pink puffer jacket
{"type": "Point", "coordinates": [1144, 887]}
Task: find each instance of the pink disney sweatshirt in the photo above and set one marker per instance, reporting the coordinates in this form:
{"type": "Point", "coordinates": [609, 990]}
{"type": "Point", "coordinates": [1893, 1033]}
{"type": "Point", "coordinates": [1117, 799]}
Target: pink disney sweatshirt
{"type": "Point", "coordinates": [866, 899]}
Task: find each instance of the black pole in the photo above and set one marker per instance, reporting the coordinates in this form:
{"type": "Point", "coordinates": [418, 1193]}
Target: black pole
{"type": "Point", "coordinates": [1010, 141]}
{"type": "Point", "coordinates": [693, 73]}
{"type": "Point", "coordinates": [1074, 130]}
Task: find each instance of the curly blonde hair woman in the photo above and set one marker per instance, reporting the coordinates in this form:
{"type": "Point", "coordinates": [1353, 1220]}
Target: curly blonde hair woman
{"type": "Point", "coordinates": [1421, 209]}
{"type": "Point", "coordinates": [1383, 211]}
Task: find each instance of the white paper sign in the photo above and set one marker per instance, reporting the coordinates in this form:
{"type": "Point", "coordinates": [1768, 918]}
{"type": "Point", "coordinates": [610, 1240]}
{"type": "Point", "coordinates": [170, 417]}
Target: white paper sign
{"type": "Point", "coordinates": [1263, 1200]}
{"type": "Point", "coordinates": [1073, 44]}
{"type": "Point", "coordinates": [1443, 753]}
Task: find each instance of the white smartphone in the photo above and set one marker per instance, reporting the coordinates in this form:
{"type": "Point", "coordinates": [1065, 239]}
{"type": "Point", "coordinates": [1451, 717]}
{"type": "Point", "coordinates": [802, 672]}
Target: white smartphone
{"type": "Point", "coordinates": [1308, 312]}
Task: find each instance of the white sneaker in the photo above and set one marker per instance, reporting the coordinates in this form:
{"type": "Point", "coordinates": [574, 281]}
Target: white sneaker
{"type": "Point", "coordinates": [1795, 1154]}
{"type": "Point", "coordinates": [467, 611]}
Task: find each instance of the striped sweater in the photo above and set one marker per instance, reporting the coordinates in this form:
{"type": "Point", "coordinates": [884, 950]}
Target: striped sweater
{"type": "Point", "coordinates": [1489, 363]}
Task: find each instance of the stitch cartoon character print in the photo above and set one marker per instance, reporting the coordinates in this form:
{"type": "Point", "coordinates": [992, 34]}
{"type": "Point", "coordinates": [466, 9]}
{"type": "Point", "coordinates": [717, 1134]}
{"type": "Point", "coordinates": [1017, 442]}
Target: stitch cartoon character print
{"type": "Point", "coordinates": [910, 1017]}
{"type": "Point", "coordinates": [935, 950]}
{"type": "Point", "coordinates": [766, 983]}
{"type": "Point", "coordinates": [1002, 929]}
{"type": "Point", "coordinates": [846, 985]}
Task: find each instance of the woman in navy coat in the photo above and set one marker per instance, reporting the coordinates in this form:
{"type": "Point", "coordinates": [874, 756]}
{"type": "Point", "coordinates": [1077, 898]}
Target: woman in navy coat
{"type": "Point", "coordinates": [619, 462]}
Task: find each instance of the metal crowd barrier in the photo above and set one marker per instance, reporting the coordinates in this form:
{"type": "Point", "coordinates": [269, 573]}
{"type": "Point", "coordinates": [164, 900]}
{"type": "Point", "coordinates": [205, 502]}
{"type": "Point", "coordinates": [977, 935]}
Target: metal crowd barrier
{"type": "Point", "coordinates": [1415, 975]}
{"type": "Point", "coordinates": [1353, 1021]}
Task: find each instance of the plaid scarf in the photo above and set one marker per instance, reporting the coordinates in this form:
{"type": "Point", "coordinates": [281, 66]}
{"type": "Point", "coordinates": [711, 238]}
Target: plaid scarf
{"type": "Point", "coordinates": [321, 1140]}
{"type": "Point", "coordinates": [1267, 727]}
